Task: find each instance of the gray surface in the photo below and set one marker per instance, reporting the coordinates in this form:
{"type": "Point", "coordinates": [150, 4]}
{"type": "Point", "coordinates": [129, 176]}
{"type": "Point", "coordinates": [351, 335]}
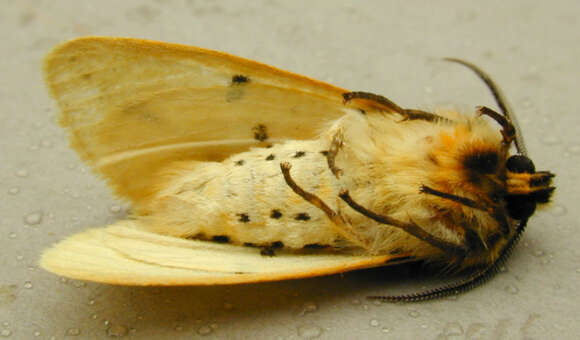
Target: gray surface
{"type": "Point", "coordinates": [531, 48]}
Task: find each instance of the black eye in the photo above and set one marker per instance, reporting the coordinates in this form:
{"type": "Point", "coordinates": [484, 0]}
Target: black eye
{"type": "Point", "coordinates": [520, 206]}
{"type": "Point", "coordinates": [483, 162]}
{"type": "Point", "coordinates": [520, 164]}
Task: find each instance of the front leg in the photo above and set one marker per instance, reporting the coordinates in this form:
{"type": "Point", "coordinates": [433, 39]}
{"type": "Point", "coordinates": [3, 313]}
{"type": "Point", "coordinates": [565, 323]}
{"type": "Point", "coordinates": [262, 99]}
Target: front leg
{"type": "Point", "coordinates": [410, 227]}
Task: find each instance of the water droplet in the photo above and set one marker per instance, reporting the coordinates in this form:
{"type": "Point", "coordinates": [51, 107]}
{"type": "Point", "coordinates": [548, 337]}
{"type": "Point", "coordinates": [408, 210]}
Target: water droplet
{"type": "Point", "coordinates": [63, 280]}
{"type": "Point", "coordinates": [33, 218]}
{"type": "Point", "coordinates": [414, 314]}
{"type": "Point", "coordinates": [19, 257]}
{"type": "Point", "coordinates": [91, 302]}
{"type": "Point", "coordinates": [374, 322]}
{"type": "Point", "coordinates": [559, 210]}
{"type": "Point", "coordinates": [22, 173]}
{"type": "Point", "coordinates": [538, 253]}
{"type": "Point", "coordinates": [5, 324]}
{"type": "Point", "coordinates": [428, 89]}
{"type": "Point", "coordinates": [309, 331]}
{"type": "Point", "coordinates": [117, 331]}
{"type": "Point", "coordinates": [73, 331]}
{"type": "Point", "coordinates": [308, 307]}
{"type": "Point", "coordinates": [550, 140]}
{"type": "Point", "coordinates": [377, 302]}
{"type": "Point", "coordinates": [385, 330]}
{"type": "Point", "coordinates": [94, 316]}
{"type": "Point", "coordinates": [512, 289]}
{"type": "Point", "coordinates": [37, 333]}
{"type": "Point", "coordinates": [178, 328]}
{"type": "Point", "coordinates": [12, 235]}
{"type": "Point", "coordinates": [28, 285]}
{"type": "Point", "coordinates": [355, 302]}
{"type": "Point", "coordinates": [6, 333]}
{"type": "Point", "coordinates": [115, 208]}
{"type": "Point", "coordinates": [14, 190]}
{"type": "Point", "coordinates": [33, 147]}
{"type": "Point", "coordinates": [365, 307]}
{"type": "Point", "coordinates": [107, 322]}
{"type": "Point", "coordinates": [204, 330]}
{"type": "Point", "coordinates": [453, 328]}
{"type": "Point", "coordinates": [214, 325]}
{"type": "Point", "coordinates": [578, 270]}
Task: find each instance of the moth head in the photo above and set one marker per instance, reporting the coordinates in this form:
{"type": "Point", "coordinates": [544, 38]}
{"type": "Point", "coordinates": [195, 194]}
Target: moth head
{"type": "Point", "coordinates": [509, 179]}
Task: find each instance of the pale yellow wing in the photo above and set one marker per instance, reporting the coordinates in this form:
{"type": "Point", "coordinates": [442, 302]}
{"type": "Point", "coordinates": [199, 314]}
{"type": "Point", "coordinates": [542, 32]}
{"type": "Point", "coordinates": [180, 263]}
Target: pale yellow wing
{"type": "Point", "coordinates": [132, 106]}
{"type": "Point", "coordinates": [124, 254]}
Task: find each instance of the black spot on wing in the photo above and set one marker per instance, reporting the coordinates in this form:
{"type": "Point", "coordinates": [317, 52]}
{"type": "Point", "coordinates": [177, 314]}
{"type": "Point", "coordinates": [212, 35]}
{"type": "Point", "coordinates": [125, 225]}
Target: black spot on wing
{"type": "Point", "coordinates": [240, 162]}
{"type": "Point", "coordinates": [243, 217]}
{"type": "Point", "coordinates": [299, 154]}
{"type": "Point", "coordinates": [220, 239]}
{"type": "Point", "coordinates": [270, 157]}
{"type": "Point", "coordinates": [269, 250]}
{"type": "Point", "coordinates": [236, 90]}
{"type": "Point", "coordinates": [239, 79]}
{"type": "Point", "coordinates": [260, 132]}
{"type": "Point", "coordinates": [275, 213]}
{"type": "Point", "coordinates": [302, 217]}
{"type": "Point", "coordinates": [277, 245]}
{"type": "Point", "coordinates": [324, 153]}
{"type": "Point", "coordinates": [315, 246]}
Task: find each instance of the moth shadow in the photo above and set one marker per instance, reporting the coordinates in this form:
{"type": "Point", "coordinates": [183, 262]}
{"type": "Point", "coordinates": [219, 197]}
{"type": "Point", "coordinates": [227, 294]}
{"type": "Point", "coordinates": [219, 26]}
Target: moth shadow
{"type": "Point", "coordinates": [152, 309]}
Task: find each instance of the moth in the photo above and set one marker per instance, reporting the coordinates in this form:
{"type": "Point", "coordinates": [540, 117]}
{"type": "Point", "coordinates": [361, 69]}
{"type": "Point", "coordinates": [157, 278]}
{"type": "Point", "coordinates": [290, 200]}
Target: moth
{"type": "Point", "coordinates": [239, 172]}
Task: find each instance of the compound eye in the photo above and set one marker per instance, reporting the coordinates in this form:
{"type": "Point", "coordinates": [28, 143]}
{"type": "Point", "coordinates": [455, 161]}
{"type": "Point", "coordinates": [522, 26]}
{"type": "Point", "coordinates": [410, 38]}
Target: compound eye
{"type": "Point", "coordinates": [520, 207]}
{"type": "Point", "coordinates": [520, 164]}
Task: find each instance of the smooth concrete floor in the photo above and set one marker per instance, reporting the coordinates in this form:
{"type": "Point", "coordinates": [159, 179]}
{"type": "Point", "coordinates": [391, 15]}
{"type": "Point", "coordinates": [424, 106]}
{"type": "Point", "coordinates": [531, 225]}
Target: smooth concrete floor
{"type": "Point", "coordinates": [532, 49]}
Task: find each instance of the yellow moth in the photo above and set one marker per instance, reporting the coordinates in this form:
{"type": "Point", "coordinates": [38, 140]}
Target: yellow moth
{"type": "Point", "coordinates": [239, 172]}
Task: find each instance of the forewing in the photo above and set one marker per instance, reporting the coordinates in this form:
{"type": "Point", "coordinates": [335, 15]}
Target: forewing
{"type": "Point", "coordinates": [133, 106]}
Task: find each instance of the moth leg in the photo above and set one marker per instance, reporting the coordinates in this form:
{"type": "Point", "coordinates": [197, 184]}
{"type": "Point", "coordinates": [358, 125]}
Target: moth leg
{"type": "Point", "coordinates": [387, 105]}
{"type": "Point", "coordinates": [335, 146]}
{"type": "Point", "coordinates": [342, 228]}
{"type": "Point", "coordinates": [497, 212]}
{"type": "Point", "coordinates": [409, 227]}
{"type": "Point", "coordinates": [508, 131]}
{"type": "Point", "coordinates": [462, 200]}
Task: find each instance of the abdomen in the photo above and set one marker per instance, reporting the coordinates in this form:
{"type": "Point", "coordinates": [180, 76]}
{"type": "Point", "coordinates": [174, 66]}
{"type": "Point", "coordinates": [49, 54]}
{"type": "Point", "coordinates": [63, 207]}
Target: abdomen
{"type": "Point", "coordinates": [245, 200]}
